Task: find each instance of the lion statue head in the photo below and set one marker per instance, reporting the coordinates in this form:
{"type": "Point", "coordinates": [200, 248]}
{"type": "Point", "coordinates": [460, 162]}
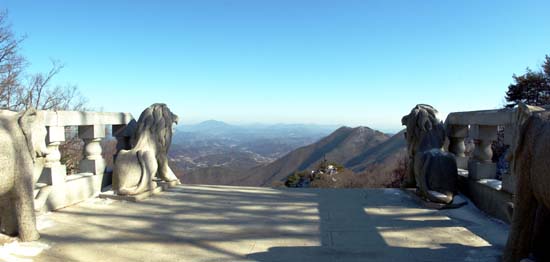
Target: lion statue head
{"type": "Point", "coordinates": [156, 120]}
{"type": "Point", "coordinates": [424, 130]}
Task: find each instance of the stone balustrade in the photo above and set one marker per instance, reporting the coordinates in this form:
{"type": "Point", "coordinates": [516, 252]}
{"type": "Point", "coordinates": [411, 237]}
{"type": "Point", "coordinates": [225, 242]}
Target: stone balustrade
{"type": "Point", "coordinates": [482, 127]}
{"type": "Point", "coordinates": [479, 172]}
{"type": "Point", "coordinates": [476, 168]}
{"type": "Point", "coordinates": [66, 190]}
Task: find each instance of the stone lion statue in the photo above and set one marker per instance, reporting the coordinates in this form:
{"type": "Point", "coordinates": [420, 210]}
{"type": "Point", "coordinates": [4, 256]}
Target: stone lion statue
{"type": "Point", "coordinates": [529, 163]}
{"type": "Point", "coordinates": [135, 169]}
{"type": "Point", "coordinates": [431, 170]}
{"type": "Point", "coordinates": [22, 139]}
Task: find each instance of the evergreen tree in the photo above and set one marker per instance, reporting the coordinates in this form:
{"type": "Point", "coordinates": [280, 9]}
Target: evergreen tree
{"type": "Point", "coordinates": [532, 88]}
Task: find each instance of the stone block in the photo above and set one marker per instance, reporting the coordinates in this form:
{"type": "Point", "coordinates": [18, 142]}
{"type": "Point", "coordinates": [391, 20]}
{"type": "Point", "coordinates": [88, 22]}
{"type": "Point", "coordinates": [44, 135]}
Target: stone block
{"type": "Point", "coordinates": [492, 183]}
{"type": "Point", "coordinates": [91, 131]}
{"type": "Point", "coordinates": [462, 162]}
{"type": "Point", "coordinates": [458, 201]}
{"type": "Point", "coordinates": [55, 134]}
{"type": "Point", "coordinates": [77, 188]}
{"type": "Point", "coordinates": [126, 130]}
{"type": "Point", "coordinates": [509, 133]}
{"type": "Point", "coordinates": [494, 202]}
{"type": "Point", "coordinates": [53, 175]}
{"type": "Point", "coordinates": [457, 131]}
{"type": "Point", "coordinates": [133, 198]}
{"type": "Point", "coordinates": [462, 172]}
{"type": "Point", "coordinates": [106, 180]}
{"type": "Point", "coordinates": [95, 166]}
{"type": "Point", "coordinates": [484, 132]}
{"type": "Point", "coordinates": [479, 170]}
{"type": "Point", "coordinates": [167, 185]}
{"type": "Point", "coordinates": [123, 135]}
{"type": "Point", "coordinates": [509, 183]}
{"type": "Point", "coordinates": [119, 130]}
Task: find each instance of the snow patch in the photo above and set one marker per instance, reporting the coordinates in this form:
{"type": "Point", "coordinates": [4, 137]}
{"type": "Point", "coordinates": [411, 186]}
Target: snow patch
{"type": "Point", "coordinates": [21, 252]}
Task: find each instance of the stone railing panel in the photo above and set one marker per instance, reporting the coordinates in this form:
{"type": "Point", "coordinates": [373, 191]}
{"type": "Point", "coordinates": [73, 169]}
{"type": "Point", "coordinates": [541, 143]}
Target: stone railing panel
{"type": "Point", "coordinates": [66, 190]}
{"type": "Point", "coordinates": [78, 118]}
{"type": "Point", "coordinates": [483, 117]}
{"type": "Point", "coordinates": [483, 128]}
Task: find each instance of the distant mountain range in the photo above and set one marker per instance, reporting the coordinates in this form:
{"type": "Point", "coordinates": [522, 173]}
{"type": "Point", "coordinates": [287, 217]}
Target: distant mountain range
{"type": "Point", "coordinates": [215, 144]}
{"type": "Point", "coordinates": [359, 149]}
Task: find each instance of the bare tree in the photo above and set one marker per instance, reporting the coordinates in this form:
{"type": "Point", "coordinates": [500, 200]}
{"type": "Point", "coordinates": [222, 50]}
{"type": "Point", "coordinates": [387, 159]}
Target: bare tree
{"type": "Point", "coordinates": [38, 93]}
{"type": "Point", "coordinates": [11, 63]}
{"type": "Point", "coordinates": [20, 90]}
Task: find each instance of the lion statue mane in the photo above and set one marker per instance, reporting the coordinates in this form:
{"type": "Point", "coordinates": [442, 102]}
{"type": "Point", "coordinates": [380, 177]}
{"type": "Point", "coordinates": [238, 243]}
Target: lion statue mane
{"type": "Point", "coordinates": [530, 226]}
{"type": "Point", "coordinates": [431, 170]}
{"type": "Point", "coordinates": [135, 169]}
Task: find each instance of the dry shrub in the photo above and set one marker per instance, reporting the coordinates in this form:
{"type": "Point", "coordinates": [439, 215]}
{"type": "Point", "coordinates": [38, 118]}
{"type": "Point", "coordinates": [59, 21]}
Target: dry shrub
{"type": "Point", "coordinates": [399, 173]}
{"type": "Point", "coordinates": [349, 179]}
{"type": "Point", "coordinates": [278, 184]}
{"type": "Point", "coordinates": [389, 174]}
{"type": "Point", "coordinates": [71, 150]}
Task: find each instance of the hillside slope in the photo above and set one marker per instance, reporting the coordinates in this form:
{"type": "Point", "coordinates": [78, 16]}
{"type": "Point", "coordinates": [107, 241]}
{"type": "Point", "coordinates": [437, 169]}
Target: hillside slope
{"type": "Point", "coordinates": [382, 154]}
{"type": "Point", "coordinates": [348, 146]}
{"type": "Point", "coordinates": [209, 147]}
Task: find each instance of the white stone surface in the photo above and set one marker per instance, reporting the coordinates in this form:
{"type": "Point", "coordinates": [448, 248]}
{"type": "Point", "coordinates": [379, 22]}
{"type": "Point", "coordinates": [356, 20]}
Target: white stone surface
{"type": "Point", "coordinates": [492, 183]}
{"type": "Point", "coordinates": [79, 118]}
{"type": "Point", "coordinates": [463, 172]}
{"type": "Point", "coordinates": [221, 223]}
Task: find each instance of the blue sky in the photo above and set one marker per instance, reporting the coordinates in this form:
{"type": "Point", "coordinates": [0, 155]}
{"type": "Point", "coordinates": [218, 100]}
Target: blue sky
{"type": "Point", "coordinates": [327, 62]}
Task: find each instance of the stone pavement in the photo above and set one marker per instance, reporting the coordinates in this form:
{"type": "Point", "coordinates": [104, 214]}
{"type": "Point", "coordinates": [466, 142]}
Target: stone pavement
{"type": "Point", "coordinates": [222, 223]}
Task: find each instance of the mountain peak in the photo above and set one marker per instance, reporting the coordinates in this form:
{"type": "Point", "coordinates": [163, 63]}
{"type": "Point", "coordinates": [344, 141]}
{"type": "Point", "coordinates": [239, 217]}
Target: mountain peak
{"type": "Point", "coordinates": [213, 122]}
{"type": "Point", "coordinates": [342, 146]}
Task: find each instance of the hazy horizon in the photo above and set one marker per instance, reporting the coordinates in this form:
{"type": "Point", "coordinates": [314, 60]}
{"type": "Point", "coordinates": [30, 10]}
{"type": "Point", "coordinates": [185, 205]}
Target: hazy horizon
{"type": "Point", "coordinates": [251, 124]}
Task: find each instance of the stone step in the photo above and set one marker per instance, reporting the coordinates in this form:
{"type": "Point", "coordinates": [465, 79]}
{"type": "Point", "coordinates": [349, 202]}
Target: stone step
{"type": "Point", "coordinates": [132, 198]}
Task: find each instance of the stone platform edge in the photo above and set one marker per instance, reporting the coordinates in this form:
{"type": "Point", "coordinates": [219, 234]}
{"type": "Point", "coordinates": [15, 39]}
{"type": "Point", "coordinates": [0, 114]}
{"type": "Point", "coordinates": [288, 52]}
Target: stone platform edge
{"type": "Point", "coordinates": [161, 186]}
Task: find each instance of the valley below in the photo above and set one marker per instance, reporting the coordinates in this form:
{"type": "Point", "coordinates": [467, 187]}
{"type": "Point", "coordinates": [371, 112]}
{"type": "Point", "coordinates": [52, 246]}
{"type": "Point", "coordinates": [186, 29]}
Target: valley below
{"type": "Point", "coordinates": [214, 152]}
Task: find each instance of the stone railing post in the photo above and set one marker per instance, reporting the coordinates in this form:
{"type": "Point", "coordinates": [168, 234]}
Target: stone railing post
{"type": "Point", "coordinates": [93, 161]}
{"type": "Point", "coordinates": [481, 165]}
{"type": "Point", "coordinates": [54, 172]}
{"type": "Point", "coordinates": [457, 134]}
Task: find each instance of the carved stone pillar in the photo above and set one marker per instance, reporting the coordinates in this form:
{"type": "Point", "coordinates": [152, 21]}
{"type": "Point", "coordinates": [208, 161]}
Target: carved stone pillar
{"type": "Point", "coordinates": [93, 161]}
{"type": "Point", "coordinates": [457, 134]}
{"type": "Point", "coordinates": [483, 152]}
{"type": "Point", "coordinates": [54, 172]}
{"type": "Point", "coordinates": [481, 166]}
